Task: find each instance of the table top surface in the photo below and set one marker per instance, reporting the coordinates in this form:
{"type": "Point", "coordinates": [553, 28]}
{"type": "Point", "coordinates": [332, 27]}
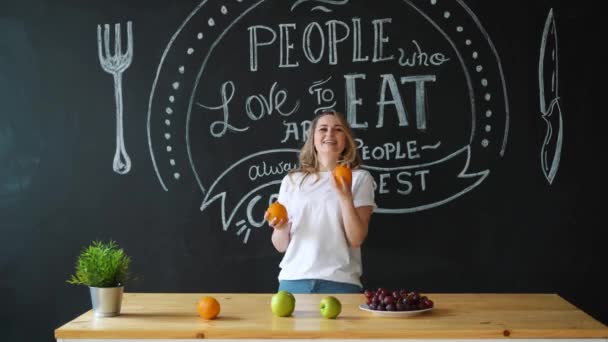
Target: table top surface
{"type": "Point", "coordinates": [248, 316]}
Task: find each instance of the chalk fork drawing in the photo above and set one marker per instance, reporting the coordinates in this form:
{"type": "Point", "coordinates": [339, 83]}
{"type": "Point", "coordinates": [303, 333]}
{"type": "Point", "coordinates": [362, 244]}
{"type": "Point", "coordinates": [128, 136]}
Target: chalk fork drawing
{"type": "Point", "coordinates": [550, 109]}
{"type": "Point", "coordinates": [115, 63]}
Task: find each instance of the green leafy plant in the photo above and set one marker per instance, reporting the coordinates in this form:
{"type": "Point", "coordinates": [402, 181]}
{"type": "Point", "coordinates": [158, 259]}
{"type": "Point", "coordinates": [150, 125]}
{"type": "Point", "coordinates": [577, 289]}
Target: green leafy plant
{"type": "Point", "coordinates": [101, 265]}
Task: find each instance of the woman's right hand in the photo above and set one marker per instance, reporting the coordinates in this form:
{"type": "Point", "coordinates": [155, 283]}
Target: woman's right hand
{"type": "Point", "coordinates": [280, 232]}
{"type": "Point", "coordinates": [275, 223]}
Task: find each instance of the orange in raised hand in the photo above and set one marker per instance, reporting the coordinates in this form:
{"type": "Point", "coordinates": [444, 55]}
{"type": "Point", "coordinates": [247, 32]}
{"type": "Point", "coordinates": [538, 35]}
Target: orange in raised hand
{"type": "Point", "coordinates": [208, 307]}
{"type": "Point", "coordinates": [343, 171]}
{"type": "Point", "coordinates": [276, 210]}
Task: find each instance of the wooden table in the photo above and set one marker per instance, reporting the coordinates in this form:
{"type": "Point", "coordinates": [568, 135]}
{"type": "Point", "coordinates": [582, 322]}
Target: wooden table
{"type": "Point", "coordinates": [169, 317]}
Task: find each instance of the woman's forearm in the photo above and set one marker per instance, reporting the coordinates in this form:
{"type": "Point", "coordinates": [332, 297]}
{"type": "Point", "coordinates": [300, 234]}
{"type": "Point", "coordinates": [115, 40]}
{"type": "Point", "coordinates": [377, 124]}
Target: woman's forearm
{"type": "Point", "coordinates": [356, 222]}
{"type": "Point", "coordinates": [280, 238]}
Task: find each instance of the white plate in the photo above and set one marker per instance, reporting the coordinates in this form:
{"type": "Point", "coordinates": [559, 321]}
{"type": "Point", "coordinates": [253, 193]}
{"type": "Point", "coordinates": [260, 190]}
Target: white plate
{"type": "Point", "coordinates": [364, 307]}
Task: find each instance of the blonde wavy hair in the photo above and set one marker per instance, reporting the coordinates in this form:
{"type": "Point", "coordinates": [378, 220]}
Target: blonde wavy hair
{"type": "Point", "coordinates": [308, 160]}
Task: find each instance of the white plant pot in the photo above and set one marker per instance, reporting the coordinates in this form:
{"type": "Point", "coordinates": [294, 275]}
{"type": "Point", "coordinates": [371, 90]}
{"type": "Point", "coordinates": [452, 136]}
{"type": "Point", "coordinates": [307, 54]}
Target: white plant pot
{"type": "Point", "coordinates": [106, 300]}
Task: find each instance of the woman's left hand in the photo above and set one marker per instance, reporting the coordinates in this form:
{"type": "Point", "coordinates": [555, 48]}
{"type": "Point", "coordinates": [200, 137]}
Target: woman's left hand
{"type": "Point", "coordinates": [342, 188]}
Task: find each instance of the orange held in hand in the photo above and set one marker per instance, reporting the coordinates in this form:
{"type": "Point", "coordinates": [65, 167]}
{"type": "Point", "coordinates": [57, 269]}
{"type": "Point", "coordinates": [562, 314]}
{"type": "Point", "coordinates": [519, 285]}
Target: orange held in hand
{"type": "Point", "coordinates": [208, 307]}
{"type": "Point", "coordinates": [278, 211]}
{"type": "Point", "coordinates": [343, 171]}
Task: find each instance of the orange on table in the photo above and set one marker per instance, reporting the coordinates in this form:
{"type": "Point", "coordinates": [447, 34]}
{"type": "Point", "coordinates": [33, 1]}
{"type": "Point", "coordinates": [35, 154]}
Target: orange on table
{"type": "Point", "coordinates": [343, 171]}
{"type": "Point", "coordinates": [278, 211]}
{"type": "Point", "coordinates": [208, 307]}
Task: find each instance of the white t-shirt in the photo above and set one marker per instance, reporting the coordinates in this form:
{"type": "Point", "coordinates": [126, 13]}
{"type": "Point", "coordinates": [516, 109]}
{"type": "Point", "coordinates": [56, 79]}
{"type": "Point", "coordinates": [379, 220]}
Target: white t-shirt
{"type": "Point", "coordinates": [318, 248]}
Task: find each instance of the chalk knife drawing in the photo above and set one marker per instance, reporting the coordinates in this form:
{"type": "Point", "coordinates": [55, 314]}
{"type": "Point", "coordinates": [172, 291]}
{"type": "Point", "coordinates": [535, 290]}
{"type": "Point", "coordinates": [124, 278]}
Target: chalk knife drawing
{"type": "Point", "coordinates": [551, 113]}
{"type": "Point", "coordinates": [115, 63]}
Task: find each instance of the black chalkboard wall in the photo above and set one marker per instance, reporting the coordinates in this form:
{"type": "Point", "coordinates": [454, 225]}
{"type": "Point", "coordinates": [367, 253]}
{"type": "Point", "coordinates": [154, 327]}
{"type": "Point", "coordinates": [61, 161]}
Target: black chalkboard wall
{"type": "Point", "coordinates": [206, 102]}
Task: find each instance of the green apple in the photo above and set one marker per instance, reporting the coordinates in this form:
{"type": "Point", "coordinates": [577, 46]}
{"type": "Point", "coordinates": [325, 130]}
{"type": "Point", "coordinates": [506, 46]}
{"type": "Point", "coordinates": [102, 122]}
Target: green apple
{"type": "Point", "coordinates": [282, 303]}
{"type": "Point", "coordinates": [330, 307]}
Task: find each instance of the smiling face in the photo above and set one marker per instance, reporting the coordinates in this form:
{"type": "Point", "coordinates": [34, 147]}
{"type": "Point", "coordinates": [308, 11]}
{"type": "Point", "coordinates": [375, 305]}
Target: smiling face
{"type": "Point", "coordinates": [329, 141]}
{"type": "Point", "coordinates": [329, 137]}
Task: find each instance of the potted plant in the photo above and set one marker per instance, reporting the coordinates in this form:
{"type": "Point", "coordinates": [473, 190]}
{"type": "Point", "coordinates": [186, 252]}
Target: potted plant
{"type": "Point", "coordinates": [104, 268]}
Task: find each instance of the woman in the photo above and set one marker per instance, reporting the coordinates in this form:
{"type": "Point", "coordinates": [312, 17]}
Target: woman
{"type": "Point", "coordinates": [328, 220]}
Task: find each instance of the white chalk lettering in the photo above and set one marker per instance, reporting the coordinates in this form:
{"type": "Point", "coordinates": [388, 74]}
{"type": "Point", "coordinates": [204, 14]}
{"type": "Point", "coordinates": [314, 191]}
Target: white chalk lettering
{"type": "Point", "coordinates": [411, 149]}
{"type": "Point", "coordinates": [352, 101]}
{"type": "Point", "coordinates": [226, 93]}
{"type": "Point", "coordinates": [334, 40]}
{"type": "Point", "coordinates": [306, 42]}
{"type": "Point", "coordinates": [421, 58]}
{"type": "Point", "coordinates": [404, 178]}
{"type": "Point", "coordinates": [267, 105]}
{"type": "Point", "coordinates": [305, 125]}
{"type": "Point", "coordinates": [292, 130]}
{"type": "Point", "coordinates": [380, 40]}
{"type": "Point", "coordinates": [263, 170]}
{"type": "Point", "coordinates": [382, 186]}
{"type": "Point", "coordinates": [403, 182]}
{"type": "Point", "coordinates": [357, 42]}
{"type": "Point", "coordinates": [420, 97]}
{"type": "Point", "coordinates": [388, 151]}
{"type": "Point", "coordinates": [324, 96]}
{"type": "Point", "coordinates": [396, 101]}
{"type": "Point", "coordinates": [254, 43]}
{"type": "Point", "coordinates": [328, 42]}
{"type": "Point", "coordinates": [286, 46]}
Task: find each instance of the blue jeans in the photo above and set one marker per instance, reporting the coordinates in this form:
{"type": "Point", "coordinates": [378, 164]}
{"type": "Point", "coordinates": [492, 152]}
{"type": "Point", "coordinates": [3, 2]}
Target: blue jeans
{"type": "Point", "coordinates": [317, 286]}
